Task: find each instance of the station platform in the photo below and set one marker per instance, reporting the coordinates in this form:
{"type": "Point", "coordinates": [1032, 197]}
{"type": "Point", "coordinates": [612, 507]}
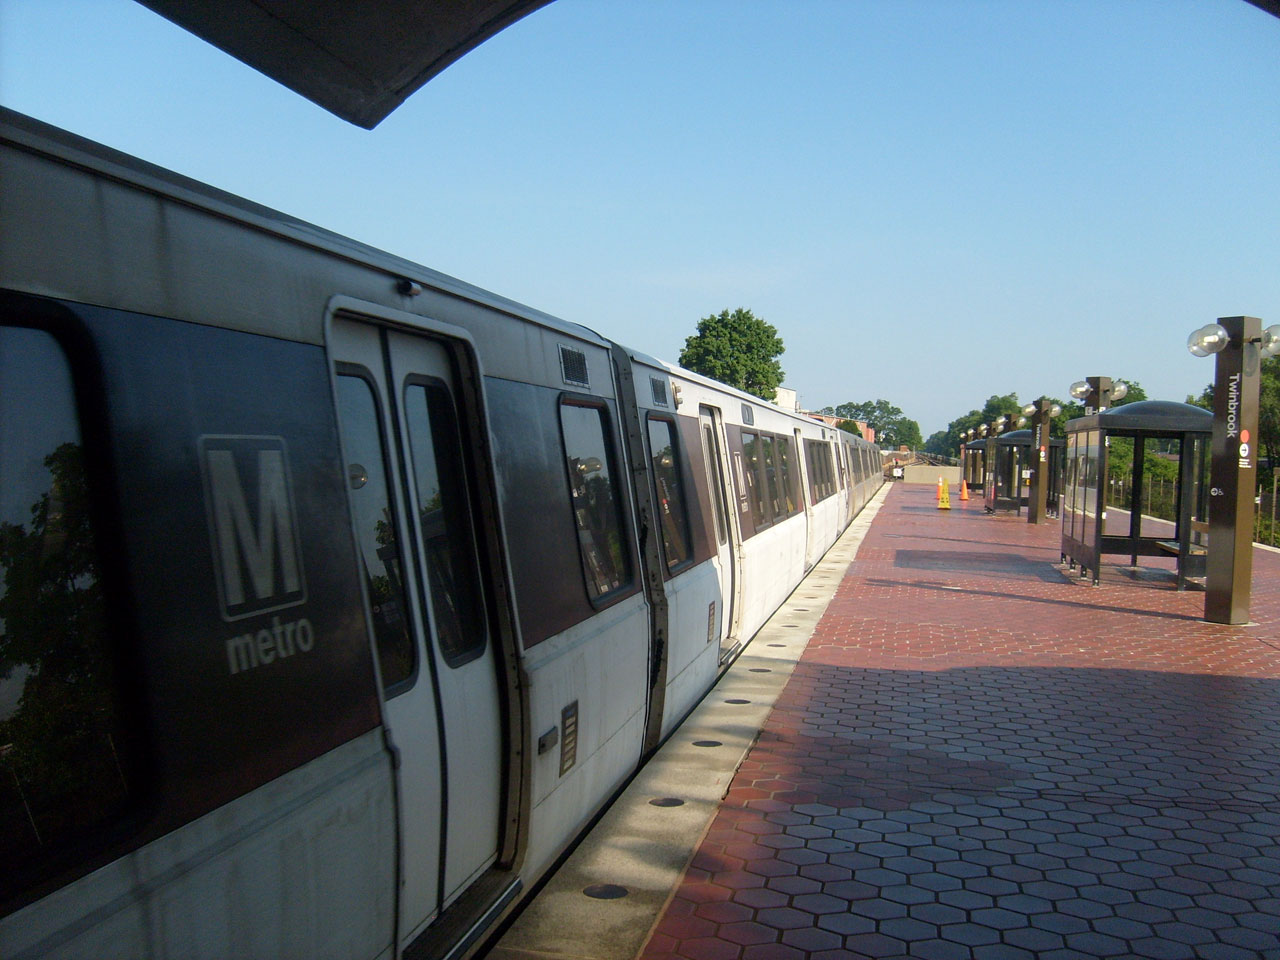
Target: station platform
{"type": "Point", "coordinates": [946, 745]}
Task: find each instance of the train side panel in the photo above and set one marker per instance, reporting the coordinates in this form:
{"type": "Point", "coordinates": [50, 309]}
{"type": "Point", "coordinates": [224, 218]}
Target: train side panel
{"type": "Point", "coordinates": [339, 594]}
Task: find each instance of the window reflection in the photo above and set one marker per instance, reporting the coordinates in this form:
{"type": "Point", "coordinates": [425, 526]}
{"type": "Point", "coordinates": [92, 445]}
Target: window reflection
{"type": "Point", "coordinates": [711, 459]}
{"type": "Point", "coordinates": [671, 500]}
{"type": "Point", "coordinates": [784, 473]}
{"type": "Point", "coordinates": [596, 501]}
{"type": "Point", "coordinates": [751, 454]}
{"type": "Point", "coordinates": [65, 758]}
{"type": "Point", "coordinates": [769, 461]}
{"type": "Point", "coordinates": [376, 541]}
{"type": "Point", "coordinates": [453, 574]}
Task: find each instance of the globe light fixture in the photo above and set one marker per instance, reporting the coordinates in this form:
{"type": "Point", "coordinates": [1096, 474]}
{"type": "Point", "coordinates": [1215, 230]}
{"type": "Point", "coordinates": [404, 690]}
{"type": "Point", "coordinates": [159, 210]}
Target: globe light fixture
{"type": "Point", "coordinates": [1079, 390]}
{"type": "Point", "coordinates": [1270, 343]}
{"type": "Point", "coordinates": [1022, 422]}
{"type": "Point", "coordinates": [1119, 390]}
{"type": "Point", "coordinates": [1209, 339]}
{"type": "Point", "coordinates": [1029, 409]}
{"type": "Point", "coordinates": [1055, 410]}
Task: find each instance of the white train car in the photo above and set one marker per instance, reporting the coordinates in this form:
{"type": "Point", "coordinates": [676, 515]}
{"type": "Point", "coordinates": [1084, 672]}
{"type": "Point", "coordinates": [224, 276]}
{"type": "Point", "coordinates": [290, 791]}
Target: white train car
{"type": "Point", "coordinates": [338, 595]}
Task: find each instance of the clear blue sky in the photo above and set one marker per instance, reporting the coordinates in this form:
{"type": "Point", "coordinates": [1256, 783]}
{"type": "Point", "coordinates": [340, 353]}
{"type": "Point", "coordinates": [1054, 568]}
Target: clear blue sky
{"type": "Point", "coordinates": [909, 190]}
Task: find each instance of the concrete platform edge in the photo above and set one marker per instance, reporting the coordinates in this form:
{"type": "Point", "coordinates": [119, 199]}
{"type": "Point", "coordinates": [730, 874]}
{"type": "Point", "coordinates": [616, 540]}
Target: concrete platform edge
{"type": "Point", "coordinates": [646, 848]}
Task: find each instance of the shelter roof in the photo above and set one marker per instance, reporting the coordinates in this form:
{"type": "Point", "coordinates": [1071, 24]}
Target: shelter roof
{"type": "Point", "coordinates": [1148, 416]}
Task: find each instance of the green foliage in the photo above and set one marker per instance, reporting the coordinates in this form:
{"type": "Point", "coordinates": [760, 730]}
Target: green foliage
{"type": "Point", "coordinates": [739, 349]}
{"type": "Point", "coordinates": [59, 745]}
{"type": "Point", "coordinates": [892, 427]}
{"type": "Point", "coordinates": [946, 443]}
{"type": "Point", "coordinates": [848, 426]}
{"type": "Point", "coordinates": [1268, 414]}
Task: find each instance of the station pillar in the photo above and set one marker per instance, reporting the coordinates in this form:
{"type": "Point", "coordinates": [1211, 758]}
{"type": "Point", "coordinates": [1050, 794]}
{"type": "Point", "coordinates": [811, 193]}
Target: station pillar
{"type": "Point", "coordinates": [1233, 473]}
{"type": "Point", "coordinates": [1038, 459]}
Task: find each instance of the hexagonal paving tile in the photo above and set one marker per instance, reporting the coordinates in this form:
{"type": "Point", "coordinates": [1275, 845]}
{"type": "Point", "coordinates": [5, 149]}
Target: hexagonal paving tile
{"type": "Point", "coordinates": [981, 758]}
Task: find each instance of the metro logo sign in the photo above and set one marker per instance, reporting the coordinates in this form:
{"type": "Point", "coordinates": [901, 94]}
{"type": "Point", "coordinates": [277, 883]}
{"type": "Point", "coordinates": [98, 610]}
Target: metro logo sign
{"type": "Point", "coordinates": [253, 527]}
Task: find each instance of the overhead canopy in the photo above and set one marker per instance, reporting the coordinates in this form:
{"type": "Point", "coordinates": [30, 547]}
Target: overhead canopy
{"type": "Point", "coordinates": [1147, 416]}
{"type": "Point", "coordinates": [359, 59]}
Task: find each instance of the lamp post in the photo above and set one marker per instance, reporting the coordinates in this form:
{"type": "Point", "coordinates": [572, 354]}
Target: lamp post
{"type": "Point", "coordinates": [1098, 393]}
{"type": "Point", "coordinates": [1240, 344]}
{"type": "Point", "coordinates": [1040, 413]}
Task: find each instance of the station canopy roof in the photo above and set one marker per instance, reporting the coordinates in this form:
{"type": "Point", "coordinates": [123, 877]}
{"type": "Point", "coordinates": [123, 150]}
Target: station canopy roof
{"type": "Point", "coordinates": [1148, 416]}
{"type": "Point", "coordinates": [359, 59]}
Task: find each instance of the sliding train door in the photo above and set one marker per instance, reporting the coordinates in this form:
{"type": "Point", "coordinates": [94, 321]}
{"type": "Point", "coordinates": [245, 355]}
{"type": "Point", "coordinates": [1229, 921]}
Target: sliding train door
{"type": "Point", "coordinates": [716, 465]}
{"type": "Point", "coordinates": [403, 434]}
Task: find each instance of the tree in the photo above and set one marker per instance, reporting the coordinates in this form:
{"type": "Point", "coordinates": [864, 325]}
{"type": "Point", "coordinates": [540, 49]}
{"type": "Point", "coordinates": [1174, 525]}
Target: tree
{"type": "Point", "coordinates": [946, 443]}
{"type": "Point", "coordinates": [739, 349]}
{"type": "Point", "coordinates": [1268, 410]}
{"type": "Point", "coordinates": [848, 426]}
{"type": "Point", "coordinates": [892, 427]}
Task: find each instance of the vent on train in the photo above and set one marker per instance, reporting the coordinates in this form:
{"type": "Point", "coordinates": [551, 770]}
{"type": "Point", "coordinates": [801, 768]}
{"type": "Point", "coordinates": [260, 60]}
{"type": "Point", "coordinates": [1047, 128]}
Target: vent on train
{"type": "Point", "coordinates": [748, 415]}
{"type": "Point", "coordinates": [659, 391]}
{"type": "Point", "coordinates": [573, 366]}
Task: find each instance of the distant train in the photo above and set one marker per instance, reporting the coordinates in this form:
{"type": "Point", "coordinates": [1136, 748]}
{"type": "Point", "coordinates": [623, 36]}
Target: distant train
{"type": "Point", "coordinates": [338, 595]}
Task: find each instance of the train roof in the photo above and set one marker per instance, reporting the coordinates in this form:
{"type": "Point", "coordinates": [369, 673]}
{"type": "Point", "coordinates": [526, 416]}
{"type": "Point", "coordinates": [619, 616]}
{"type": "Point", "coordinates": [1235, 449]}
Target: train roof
{"type": "Point", "coordinates": [34, 136]}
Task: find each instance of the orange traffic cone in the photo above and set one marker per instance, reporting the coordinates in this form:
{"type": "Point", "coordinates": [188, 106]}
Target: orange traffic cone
{"type": "Point", "coordinates": [938, 495]}
{"type": "Point", "coordinates": [964, 489]}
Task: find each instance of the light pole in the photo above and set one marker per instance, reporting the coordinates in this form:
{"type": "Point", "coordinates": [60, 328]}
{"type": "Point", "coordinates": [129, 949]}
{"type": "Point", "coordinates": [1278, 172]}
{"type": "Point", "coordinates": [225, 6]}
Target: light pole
{"type": "Point", "coordinates": [1240, 344]}
{"type": "Point", "coordinates": [1040, 413]}
{"type": "Point", "coordinates": [1098, 393]}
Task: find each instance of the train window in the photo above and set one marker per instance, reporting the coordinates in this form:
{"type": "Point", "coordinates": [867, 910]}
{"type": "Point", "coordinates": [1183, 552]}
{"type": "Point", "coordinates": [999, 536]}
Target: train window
{"type": "Point", "coordinates": [444, 515]}
{"type": "Point", "coordinates": [376, 539]}
{"type": "Point", "coordinates": [821, 474]}
{"type": "Point", "coordinates": [66, 755]}
{"type": "Point", "coordinates": [711, 459]}
{"type": "Point", "coordinates": [597, 503]}
{"type": "Point", "coordinates": [769, 461]}
{"type": "Point", "coordinates": [665, 456]}
{"type": "Point", "coordinates": [751, 454]}
{"type": "Point", "coordinates": [786, 480]}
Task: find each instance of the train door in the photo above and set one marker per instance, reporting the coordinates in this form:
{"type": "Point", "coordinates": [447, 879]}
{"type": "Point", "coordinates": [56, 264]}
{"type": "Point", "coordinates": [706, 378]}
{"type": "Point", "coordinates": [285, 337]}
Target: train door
{"type": "Point", "coordinates": [716, 465]}
{"type": "Point", "coordinates": [411, 500]}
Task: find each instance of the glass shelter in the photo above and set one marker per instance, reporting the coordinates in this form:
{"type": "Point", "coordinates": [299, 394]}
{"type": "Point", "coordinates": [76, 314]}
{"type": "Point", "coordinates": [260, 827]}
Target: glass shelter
{"type": "Point", "coordinates": [973, 453]}
{"type": "Point", "coordinates": [1006, 465]}
{"type": "Point", "coordinates": [1136, 483]}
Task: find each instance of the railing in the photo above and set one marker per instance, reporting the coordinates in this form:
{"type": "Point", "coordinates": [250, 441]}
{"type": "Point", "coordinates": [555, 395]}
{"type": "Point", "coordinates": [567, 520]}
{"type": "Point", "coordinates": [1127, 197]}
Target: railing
{"type": "Point", "coordinates": [1159, 499]}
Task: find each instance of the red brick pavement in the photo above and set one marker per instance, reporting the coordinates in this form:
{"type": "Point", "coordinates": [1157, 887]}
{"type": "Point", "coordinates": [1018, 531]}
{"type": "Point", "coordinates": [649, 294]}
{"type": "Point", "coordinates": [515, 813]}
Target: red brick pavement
{"type": "Point", "coordinates": [981, 757]}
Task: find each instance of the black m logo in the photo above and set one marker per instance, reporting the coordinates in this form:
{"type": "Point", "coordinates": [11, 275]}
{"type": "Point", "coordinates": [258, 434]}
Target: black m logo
{"type": "Point", "coordinates": [253, 528]}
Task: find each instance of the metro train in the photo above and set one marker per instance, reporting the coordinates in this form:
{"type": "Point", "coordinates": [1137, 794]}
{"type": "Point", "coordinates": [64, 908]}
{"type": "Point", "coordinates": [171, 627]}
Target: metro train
{"type": "Point", "coordinates": [339, 595]}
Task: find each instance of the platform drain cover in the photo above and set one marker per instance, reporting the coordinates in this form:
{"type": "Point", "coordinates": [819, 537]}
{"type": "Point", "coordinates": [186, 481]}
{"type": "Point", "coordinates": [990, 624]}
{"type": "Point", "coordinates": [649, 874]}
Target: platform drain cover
{"type": "Point", "coordinates": [605, 891]}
